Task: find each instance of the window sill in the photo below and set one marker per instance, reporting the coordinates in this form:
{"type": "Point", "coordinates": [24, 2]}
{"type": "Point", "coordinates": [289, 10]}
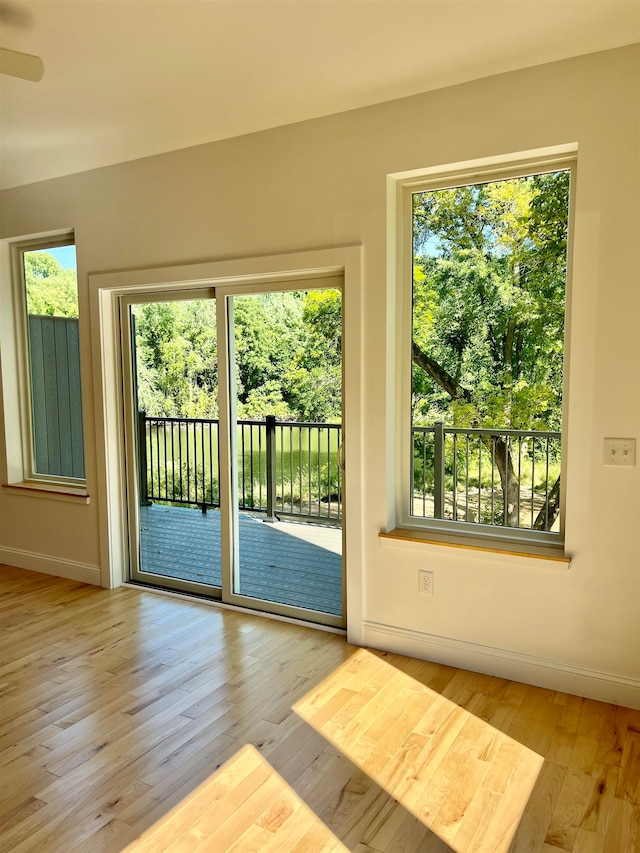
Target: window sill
{"type": "Point", "coordinates": [49, 491]}
{"type": "Point", "coordinates": [552, 553]}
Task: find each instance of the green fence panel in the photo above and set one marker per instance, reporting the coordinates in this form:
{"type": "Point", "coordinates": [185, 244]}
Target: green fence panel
{"type": "Point", "coordinates": [56, 396]}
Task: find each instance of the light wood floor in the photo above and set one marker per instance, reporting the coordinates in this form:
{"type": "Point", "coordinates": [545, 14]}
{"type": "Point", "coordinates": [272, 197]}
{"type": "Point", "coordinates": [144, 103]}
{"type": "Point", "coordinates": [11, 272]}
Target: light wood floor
{"type": "Point", "coordinates": [134, 721]}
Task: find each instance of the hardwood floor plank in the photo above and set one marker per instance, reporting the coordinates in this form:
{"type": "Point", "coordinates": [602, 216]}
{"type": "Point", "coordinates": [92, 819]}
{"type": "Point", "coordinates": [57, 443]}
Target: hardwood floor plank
{"type": "Point", "coordinates": [570, 810]}
{"type": "Point", "coordinates": [629, 778]}
{"type": "Point", "coordinates": [134, 720]}
{"type": "Point", "coordinates": [478, 816]}
{"type": "Point", "coordinates": [534, 825]}
{"type": "Point", "coordinates": [584, 755]}
{"type": "Point", "coordinates": [597, 815]}
{"type": "Point", "coordinates": [170, 789]}
{"type": "Point", "coordinates": [589, 842]}
{"type": "Point", "coordinates": [624, 828]}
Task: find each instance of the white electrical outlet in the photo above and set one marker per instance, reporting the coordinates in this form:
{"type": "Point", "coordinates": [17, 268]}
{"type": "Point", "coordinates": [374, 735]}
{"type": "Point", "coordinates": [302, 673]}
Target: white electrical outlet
{"type": "Point", "coordinates": [620, 451]}
{"type": "Point", "coordinates": [425, 582]}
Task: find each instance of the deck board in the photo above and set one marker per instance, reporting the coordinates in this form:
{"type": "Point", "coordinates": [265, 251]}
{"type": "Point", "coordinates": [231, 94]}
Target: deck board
{"type": "Point", "coordinates": [285, 562]}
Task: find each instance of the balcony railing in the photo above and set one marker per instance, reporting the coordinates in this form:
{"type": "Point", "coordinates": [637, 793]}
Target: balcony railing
{"type": "Point", "coordinates": [283, 468]}
{"type": "Point", "coordinates": [509, 478]}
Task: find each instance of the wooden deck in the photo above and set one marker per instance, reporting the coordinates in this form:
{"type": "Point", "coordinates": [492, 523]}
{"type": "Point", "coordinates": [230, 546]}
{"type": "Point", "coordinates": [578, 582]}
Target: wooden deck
{"type": "Point", "coordinates": [285, 562]}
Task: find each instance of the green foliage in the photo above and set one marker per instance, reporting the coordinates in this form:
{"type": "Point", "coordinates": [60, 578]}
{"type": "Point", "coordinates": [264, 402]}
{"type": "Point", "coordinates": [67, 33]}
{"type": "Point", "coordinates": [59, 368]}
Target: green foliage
{"type": "Point", "coordinates": [322, 320]}
{"type": "Point", "coordinates": [268, 327]}
{"type": "Point", "coordinates": [287, 352]}
{"type": "Point", "coordinates": [52, 290]}
{"type": "Point", "coordinates": [488, 302]}
{"type": "Point", "coordinates": [265, 399]}
{"type": "Point", "coordinates": [315, 380]}
{"type": "Point", "coordinates": [176, 356]}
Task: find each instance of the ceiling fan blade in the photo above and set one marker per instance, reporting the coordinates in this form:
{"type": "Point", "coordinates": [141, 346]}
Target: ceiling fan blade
{"type": "Point", "coordinates": [23, 65]}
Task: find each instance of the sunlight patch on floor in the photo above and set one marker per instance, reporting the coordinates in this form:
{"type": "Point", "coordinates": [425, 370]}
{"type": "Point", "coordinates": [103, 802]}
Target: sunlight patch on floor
{"type": "Point", "coordinates": [465, 780]}
{"type": "Point", "coordinates": [244, 806]}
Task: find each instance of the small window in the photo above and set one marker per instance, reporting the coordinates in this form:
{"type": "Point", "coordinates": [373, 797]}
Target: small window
{"type": "Point", "coordinates": [487, 349]}
{"type": "Point", "coordinates": [50, 285]}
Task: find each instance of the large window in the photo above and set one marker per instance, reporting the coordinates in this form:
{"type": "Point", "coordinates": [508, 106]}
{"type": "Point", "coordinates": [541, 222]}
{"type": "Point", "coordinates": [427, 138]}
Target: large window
{"type": "Point", "coordinates": [488, 278]}
{"type": "Point", "coordinates": [49, 290]}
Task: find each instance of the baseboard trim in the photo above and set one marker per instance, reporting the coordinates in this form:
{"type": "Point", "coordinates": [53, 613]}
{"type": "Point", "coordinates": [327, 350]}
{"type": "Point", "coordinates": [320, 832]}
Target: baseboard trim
{"type": "Point", "coordinates": [554, 675]}
{"type": "Point", "coordinates": [69, 569]}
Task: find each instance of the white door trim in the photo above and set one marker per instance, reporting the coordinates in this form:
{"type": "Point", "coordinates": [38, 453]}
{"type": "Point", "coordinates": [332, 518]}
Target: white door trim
{"type": "Point", "coordinates": [105, 290]}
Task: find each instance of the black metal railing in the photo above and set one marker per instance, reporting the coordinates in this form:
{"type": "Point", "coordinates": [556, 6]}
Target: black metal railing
{"type": "Point", "coordinates": [180, 464]}
{"type": "Point", "coordinates": [509, 478]}
{"type": "Point", "coordinates": [283, 468]}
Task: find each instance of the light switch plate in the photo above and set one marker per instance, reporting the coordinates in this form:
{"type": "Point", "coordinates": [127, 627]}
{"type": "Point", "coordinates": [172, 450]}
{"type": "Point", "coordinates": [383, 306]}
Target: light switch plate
{"type": "Point", "coordinates": [620, 452]}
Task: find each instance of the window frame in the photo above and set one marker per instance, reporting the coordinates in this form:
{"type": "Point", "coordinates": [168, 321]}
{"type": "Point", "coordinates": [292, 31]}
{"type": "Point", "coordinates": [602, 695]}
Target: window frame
{"type": "Point", "coordinates": [402, 187]}
{"type": "Point", "coordinates": [53, 484]}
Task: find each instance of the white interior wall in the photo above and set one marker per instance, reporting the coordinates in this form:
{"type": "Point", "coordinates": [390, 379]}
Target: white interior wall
{"type": "Point", "coordinates": [323, 183]}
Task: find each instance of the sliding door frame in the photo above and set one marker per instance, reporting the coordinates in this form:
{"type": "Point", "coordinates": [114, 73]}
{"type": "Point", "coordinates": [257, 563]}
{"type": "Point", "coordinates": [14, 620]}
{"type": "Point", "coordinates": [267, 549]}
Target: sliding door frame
{"type": "Point", "coordinates": [230, 556]}
{"type": "Point", "coordinates": [136, 570]}
{"type": "Point", "coordinates": [109, 479]}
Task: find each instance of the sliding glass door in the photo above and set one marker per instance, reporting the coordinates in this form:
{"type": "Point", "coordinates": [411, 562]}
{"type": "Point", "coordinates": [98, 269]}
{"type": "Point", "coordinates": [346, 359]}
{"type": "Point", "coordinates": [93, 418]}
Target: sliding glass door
{"type": "Point", "coordinates": [285, 415]}
{"type": "Point", "coordinates": [233, 410]}
{"type": "Point", "coordinates": [173, 441]}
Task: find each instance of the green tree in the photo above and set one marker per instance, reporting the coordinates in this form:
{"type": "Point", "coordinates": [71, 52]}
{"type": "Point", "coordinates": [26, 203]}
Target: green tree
{"type": "Point", "coordinates": [267, 328]}
{"type": "Point", "coordinates": [287, 354]}
{"type": "Point", "coordinates": [52, 290]}
{"type": "Point", "coordinates": [176, 352]}
{"type": "Point", "coordinates": [315, 381]}
{"type": "Point", "coordinates": [488, 309]}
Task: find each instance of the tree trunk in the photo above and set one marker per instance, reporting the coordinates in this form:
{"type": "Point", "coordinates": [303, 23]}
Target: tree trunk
{"type": "Point", "coordinates": [509, 481]}
{"type": "Point", "coordinates": [508, 478]}
{"type": "Point", "coordinates": [438, 373]}
{"type": "Point", "coordinates": [550, 509]}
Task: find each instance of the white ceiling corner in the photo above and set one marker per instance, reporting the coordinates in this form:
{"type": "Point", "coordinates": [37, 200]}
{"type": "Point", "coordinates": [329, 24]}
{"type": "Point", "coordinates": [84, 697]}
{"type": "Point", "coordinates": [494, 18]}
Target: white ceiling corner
{"type": "Point", "coordinates": [131, 78]}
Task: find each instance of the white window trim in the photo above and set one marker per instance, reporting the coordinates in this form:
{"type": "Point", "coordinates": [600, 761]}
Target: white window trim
{"type": "Point", "coordinates": [400, 190]}
{"type": "Point", "coordinates": [18, 411]}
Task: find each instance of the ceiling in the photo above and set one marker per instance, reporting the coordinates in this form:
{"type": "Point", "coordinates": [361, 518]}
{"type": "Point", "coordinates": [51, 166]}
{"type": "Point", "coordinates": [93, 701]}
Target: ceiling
{"type": "Point", "coordinates": [130, 78]}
